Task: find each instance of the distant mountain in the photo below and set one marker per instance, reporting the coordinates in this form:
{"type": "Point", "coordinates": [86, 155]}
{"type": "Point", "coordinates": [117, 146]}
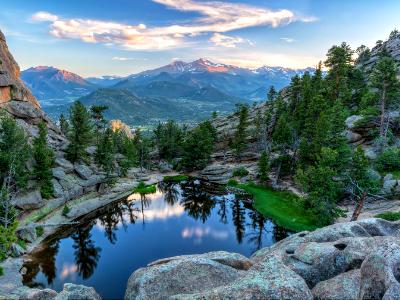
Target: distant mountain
{"type": "Point", "coordinates": [183, 91]}
{"type": "Point", "coordinates": [52, 83]}
{"type": "Point", "coordinates": [231, 80]}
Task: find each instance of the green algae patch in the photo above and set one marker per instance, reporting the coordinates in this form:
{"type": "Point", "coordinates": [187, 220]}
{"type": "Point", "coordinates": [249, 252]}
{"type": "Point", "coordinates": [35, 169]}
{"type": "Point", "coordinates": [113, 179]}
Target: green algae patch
{"type": "Point", "coordinates": [145, 189]}
{"type": "Point", "coordinates": [283, 207]}
{"type": "Point", "coordinates": [176, 178]}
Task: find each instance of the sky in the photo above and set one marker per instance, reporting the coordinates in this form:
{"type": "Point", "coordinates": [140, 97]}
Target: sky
{"type": "Point", "coordinates": [121, 37]}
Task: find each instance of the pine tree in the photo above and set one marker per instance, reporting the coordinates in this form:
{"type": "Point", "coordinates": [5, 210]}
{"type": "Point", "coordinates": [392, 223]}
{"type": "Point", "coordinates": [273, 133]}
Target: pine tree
{"type": "Point", "coordinates": [271, 94]}
{"type": "Point", "coordinates": [64, 125]}
{"type": "Point", "coordinates": [384, 78]}
{"type": "Point", "coordinates": [44, 161]}
{"type": "Point", "coordinates": [239, 140]}
{"type": "Point", "coordinates": [97, 115]}
{"type": "Point", "coordinates": [105, 152]}
{"type": "Point", "coordinates": [263, 168]}
{"type": "Point", "coordinates": [80, 134]}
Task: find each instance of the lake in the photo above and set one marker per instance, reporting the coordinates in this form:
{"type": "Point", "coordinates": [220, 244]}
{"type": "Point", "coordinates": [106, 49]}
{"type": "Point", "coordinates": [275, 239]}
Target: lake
{"type": "Point", "coordinates": [111, 243]}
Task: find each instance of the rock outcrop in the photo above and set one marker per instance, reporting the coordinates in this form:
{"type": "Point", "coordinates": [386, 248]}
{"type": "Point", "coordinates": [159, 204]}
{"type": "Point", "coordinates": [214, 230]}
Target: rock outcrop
{"type": "Point", "coordinates": [355, 260]}
{"type": "Point", "coordinates": [11, 86]}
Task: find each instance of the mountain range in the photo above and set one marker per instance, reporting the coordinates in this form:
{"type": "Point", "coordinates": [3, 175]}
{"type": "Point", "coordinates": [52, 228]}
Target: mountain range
{"type": "Point", "coordinates": [182, 91]}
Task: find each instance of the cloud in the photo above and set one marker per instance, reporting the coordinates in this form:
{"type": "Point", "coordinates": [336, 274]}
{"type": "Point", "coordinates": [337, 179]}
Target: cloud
{"type": "Point", "coordinates": [216, 17]}
{"type": "Point", "coordinates": [288, 40]}
{"type": "Point", "coordinates": [43, 16]}
{"type": "Point", "coordinates": [226, 41]}
{"type": "Point", "coordinates": [119, 58]}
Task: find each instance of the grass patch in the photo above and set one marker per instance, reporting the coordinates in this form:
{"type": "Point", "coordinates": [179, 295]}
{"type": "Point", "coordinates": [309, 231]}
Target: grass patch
{"type": "Point", "coordinates": [233, 182]}
{"type": "Point", "coordinates": [396, 174]}
{"type": "Point", "coordinates": [22, 243]}
{"type": "Point", "coordinates": [283, 207]}
{"type": "Point", "coordinates": [38, 216]}
{"type": "Point", "coordinates": [65, 210]}
{"type": "Point", "coordinates": [176, 178]}
{"type": "Point", "coordinates": [389, 216]}
{"type": "Point", "coordinates": [145, 189]}
{"type": "Point", "coordinates": [39, 231]}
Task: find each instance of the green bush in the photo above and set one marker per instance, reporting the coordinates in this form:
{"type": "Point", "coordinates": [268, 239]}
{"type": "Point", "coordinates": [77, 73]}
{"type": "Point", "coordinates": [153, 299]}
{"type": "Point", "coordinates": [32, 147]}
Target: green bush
{"type": "Point", "coordinates": [176, 178]}
{"type": "Point", "coordinates": [389, 160]}
{"type": "Point", "coordinates": [39, 231]}
{"type": "Point", "coordinates": [232, 182]}
{"type": "Point", "coordinates": [389, 216]}
{"type": "Point", "coordinates": [65, 210]}
{"type": "Point", "coordinates": [22, 243]}
{"type": "Point", "coordinates": [1, 271]}
{"type": "Point", "coordinates": [7, 238]}
{"type": "Point", "coordinates": [145, 189]}
{"type": "Point", "coordinates": [240, 172]}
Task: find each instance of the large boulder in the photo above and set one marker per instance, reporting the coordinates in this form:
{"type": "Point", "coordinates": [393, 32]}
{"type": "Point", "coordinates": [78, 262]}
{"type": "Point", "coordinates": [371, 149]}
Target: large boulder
{"type": "Point", "coordinates": [354, 260]}
{"type": "Point", "coordinates": [77, 292]}
{"type": "Point", "coordinates": [66, 165]}
{"type": "Point", "coordinates": [29, 200]}
{"type": "Point", "coordinates": [27, 233]}
{"type": "Point", "coordinates": [83, 171]}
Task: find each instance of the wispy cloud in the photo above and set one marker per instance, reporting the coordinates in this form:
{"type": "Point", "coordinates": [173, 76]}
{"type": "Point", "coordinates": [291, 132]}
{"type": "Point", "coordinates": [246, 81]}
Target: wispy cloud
{"type": "Point", "coordinates": [288, 40]}
{"type": "Point", "coordinates": [227, 41]}
{"type": "Point", "coordinates": [216, 17]}
{"type": "Point", "coordinates": [119, 58]}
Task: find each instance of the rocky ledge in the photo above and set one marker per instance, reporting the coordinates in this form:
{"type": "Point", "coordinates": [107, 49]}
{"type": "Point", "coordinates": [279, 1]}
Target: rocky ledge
{"type": "Point", "coordinates": [355, 260]}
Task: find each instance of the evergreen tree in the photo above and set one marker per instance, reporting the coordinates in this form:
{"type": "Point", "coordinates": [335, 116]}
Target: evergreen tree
{"type": "Point", "coordinates": [263, 168]}
{"type": "Point", "coordinates": [239, 140]}
{"type": "Point", "coordinates": [384, 78]}
{"type": "Point", "coordinates": [97, 115]}
{"type": "Point", "coordinates": [80, 134]}
{"type": "Point", "coordinates": [14, 152]}
{"type": "Point", "coordinates": [64, 125]}
{"type": "Point", "coordinates": [198, 146]}
{"type": "Point", "coordinates": [323, 190]}
{"type": "Point", "coordinates": [169, 138]}
{"type": "Point", "coordinates": [105, 152]}
{"type": "Point", "coordinates": [271, 94]}
{"type": "Point", "coordinates": [44, 161]}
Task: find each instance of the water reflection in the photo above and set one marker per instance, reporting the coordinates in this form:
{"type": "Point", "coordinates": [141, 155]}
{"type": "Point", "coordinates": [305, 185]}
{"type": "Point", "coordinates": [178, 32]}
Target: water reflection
{"type": "Point", "coordinates": [196, 217]}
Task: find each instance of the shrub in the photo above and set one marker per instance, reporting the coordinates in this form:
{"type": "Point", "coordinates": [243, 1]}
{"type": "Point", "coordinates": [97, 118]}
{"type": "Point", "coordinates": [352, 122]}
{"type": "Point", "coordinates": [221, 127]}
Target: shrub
{"type": "Point", "coordinates": [232, 182]}
{"type": "Point", "coordinates": [7, 237]}
{"type": "Point", "coordinates": [65, 210]}
{"type": "Point", "coordinates": [389, 160]}
{"type": "Point", "coordinates": [22, 243]}
{"type": "Point", "coordinates": [1, 271]}
{"type": "Point", "coordinates": [39, 231]}
{"type": "Point", "coordinates": [176, 178]}
{"type": "Point", "coordinates": [240, 172]}
{"type": "Point", "coordinates": [145, 189]}
{"type": "Point", "coordinates": [389, 216]}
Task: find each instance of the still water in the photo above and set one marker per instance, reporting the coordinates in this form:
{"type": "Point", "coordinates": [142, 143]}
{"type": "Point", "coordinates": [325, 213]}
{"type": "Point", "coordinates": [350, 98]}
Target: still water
{"type": "Point", "coordinates": [109, 244]}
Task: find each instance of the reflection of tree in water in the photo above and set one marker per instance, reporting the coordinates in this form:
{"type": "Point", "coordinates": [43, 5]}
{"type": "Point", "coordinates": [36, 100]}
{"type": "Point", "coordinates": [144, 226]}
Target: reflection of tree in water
{"type": "Point", "coordinates": [258, 225]}
{"type": "Point", "coordinates": [239, 219]}
{"type": "Point", "coordinates": [86, 253]}
{"type": "Point", "coordinates": [223, 217]}
{"type": "Point", "coordinates": [114, 216]}
{"type": "Point", "coordinates": [196, 201]}
{"type": "Point", "coordinates": [279, 233]}
{"type": "Point", "coordinates": [44, 260]}
{"type": "Point", "coordinates": [170, 191]}
{"type": "Point", "coordinates": [144, 203]}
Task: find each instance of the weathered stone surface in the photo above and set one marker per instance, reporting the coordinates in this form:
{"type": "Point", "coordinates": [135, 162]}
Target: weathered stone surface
{"type": "Point", "coordinates": [217, 173]}
{"type": "Point", "coordinates": [27, 233]}
{"type": "Point", "coordinates": [83, 171]}
{"type": "Point", "coordinates": [353, 137]}
{"type": "Point", "coordinates": [65, 164]}
{"type": "Point", "coordinates": [16, 250]}
{"type": "Point", "coordinates": [57, 188]}
{"type": "Point", "coordinates": [58, 173]}
{"type": "Point", "coordinates": [36, 294]}
{"type": "Point", "coordinates": [77, 292]}
{"type": "Point", "coordinates": [29, 200]}
{"type": "Point", "coordinates": [355, 260]}
{"type": "Point", "coordinates": [350, 121]}
{"type": "Point", "coordinates": [380, 272]}
{"type": "Point", "coordinates": [343, 286]}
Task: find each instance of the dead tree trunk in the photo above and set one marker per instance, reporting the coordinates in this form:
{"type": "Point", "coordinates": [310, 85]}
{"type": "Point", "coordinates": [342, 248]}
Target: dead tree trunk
{"type": "Point", "coordinates": [359, 207]}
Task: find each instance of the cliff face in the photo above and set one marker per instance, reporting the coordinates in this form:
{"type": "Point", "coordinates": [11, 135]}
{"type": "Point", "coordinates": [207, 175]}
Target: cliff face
{"type": "Point", "coordinates": [11, 86]}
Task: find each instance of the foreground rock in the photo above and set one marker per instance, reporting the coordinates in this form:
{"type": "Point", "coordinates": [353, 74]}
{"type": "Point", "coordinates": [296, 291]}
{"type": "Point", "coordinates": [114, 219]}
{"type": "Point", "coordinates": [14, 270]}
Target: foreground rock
{"type": "Point", "coordinates": [355, 260]}
{"type": "Point", "coordinates": [69, 292]}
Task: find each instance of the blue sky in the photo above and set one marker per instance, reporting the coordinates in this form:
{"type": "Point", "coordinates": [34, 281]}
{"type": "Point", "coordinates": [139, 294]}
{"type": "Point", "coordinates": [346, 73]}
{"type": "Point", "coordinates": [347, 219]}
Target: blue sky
{"type": "Point", "coordinates": [104, 37]}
